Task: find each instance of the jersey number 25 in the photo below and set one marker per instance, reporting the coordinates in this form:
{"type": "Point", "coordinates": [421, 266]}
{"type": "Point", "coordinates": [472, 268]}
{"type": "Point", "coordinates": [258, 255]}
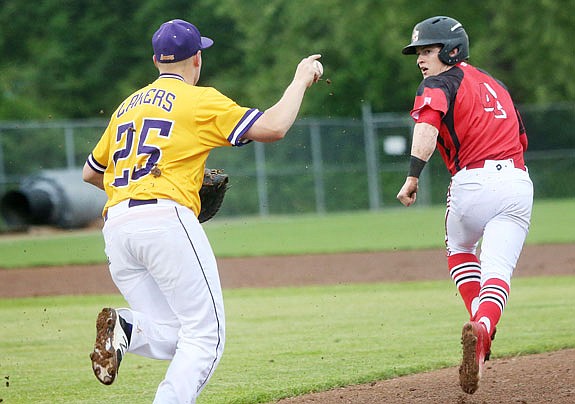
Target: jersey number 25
{"type": "Point", "coordinates": [151, 153]}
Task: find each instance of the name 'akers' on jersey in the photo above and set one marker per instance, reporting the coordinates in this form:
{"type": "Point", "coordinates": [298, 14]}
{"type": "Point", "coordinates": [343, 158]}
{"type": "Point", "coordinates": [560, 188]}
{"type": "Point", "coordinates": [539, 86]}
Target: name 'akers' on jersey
{"type": "Point", "coordinates": [464, 95]}
{"type": "Point", "coordinates": [157, 141]}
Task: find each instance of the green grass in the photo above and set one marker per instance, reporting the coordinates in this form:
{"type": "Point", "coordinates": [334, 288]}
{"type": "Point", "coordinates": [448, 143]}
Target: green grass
{"type": "Point", "coordinates": [389, 229]}
{"type": "Point", "coordinates": [281, 342]}
{"type": "Point", "coordinates": [284, 341]}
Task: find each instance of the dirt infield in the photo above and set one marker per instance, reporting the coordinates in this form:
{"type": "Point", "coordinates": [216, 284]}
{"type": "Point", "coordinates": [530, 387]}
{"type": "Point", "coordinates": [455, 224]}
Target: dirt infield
{"type": "Point", "coordinates": [545, 378]}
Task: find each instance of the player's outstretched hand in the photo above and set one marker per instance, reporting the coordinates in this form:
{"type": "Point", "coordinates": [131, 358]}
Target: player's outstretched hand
{"type": "Point", "coordinates": [309, 70]}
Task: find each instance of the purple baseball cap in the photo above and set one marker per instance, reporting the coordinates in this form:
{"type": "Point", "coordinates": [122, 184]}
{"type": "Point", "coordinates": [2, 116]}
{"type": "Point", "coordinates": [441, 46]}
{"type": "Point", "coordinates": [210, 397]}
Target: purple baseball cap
{"type": "Point", "coordinates": [177, 40]}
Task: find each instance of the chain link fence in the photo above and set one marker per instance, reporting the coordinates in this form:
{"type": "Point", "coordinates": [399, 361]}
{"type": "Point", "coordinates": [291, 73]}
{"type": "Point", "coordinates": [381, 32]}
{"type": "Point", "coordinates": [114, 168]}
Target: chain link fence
{"type": "Point", "coordinates": [323, 165]}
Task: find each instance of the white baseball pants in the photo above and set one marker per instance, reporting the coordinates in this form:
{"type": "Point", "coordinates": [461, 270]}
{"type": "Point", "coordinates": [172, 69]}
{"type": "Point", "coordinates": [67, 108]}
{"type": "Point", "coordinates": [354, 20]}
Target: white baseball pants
{"type": "Point", "coordinates": [493, 202]}
{"type": "Point", "coordinates": [162, 263]}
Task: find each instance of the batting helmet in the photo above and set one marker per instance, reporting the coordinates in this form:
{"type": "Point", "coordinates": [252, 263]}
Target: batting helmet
{"type": "Point", "coordinates": [442, 31]}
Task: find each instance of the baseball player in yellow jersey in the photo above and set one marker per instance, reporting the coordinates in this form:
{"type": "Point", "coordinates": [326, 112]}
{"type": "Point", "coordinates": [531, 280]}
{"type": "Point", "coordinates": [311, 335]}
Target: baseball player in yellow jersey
{"type": "Point", "coordinates": [150, 161]}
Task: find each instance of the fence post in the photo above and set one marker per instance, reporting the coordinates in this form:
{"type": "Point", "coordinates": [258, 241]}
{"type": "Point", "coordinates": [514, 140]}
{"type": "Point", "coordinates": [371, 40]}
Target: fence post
{"type": "Point", "coordinates": [317, 162]}
{"type": "Point", "coordinates": [2, 170]}
{"type": "Point", "coordinates": [261, 179]}
{"type": "Point", "coordinates": [70, 151]}
{"type": "Point", "coordinates": [371, 157]}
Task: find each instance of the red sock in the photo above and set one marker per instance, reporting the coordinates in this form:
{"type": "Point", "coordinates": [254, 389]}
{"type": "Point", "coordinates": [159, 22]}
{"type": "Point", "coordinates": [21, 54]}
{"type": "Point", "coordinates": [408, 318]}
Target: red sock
{"type": "Point", "coordinates": [492, 300]}
{"type": "Point", "coordinates": [465, 271]}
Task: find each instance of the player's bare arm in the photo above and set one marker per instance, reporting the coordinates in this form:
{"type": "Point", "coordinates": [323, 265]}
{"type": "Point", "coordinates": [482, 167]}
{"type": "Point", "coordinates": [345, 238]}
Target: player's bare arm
{"type": "Point", "coordinates": [424, 140]}
{"type": "Point", "coordinates": [422, 147]}
{"type": "Point", "coordinates": [92, 177]}
{"type": "Point", "coordinates": [276, 121]}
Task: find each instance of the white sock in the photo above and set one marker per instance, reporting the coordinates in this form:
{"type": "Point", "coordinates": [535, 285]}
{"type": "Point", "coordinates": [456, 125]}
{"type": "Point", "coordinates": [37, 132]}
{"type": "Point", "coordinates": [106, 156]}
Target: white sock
{"type": "Point", "coordinates": [474, 306]}
{"type": "Point", "coordinates": [487, 323]}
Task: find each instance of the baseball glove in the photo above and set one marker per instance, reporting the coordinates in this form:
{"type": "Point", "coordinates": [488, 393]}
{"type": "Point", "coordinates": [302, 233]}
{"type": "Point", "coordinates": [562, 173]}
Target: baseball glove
{"type": "Point", "coordinates": [212, 193]}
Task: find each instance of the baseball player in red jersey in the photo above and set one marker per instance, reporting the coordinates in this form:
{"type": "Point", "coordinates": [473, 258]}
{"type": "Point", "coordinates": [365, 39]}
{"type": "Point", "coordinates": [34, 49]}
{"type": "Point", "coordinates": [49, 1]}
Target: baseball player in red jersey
{"type": "Point", "coordinates": [470, 117]}
{"type": "Point", "coordinates": [150, 161]}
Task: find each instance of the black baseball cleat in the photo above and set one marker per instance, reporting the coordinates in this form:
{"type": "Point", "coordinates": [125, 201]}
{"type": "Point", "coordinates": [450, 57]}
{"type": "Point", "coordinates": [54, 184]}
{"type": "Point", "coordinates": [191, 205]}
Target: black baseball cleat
{"type": "Point", "coordinates": [112, 341]}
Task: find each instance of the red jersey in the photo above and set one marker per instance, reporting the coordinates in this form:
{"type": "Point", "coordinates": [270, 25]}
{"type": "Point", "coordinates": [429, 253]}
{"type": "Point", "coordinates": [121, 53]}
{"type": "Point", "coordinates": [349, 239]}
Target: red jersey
{"type": "Point", "coordinates": [479, 120]}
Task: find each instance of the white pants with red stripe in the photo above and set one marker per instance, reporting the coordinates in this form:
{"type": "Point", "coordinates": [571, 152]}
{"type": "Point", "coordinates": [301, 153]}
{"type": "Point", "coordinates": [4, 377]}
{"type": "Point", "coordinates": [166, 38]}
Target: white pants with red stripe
{"type": "Point", "coordinates": [162, 263]}
{"type": "Point", "coordinates": [494, 204]}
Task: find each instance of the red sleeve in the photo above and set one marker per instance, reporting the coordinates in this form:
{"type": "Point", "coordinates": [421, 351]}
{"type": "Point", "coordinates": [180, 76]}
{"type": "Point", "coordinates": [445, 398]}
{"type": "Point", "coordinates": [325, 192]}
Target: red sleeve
{"type": "Point", "coordinates": [429, 98]}
{"type": "Point", "coordinates": [430, 116]}
{"type": "Point", "coordinates": [522, 132]}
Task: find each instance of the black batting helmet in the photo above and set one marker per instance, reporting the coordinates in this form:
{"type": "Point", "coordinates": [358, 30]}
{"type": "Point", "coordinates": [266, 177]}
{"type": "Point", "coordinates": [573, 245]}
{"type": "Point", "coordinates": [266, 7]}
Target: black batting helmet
{"type": "Point", "coordinates": [444, 31]}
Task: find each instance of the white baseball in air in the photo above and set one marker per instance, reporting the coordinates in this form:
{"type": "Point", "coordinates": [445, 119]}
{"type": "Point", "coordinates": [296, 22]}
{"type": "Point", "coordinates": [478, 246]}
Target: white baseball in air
{"type": "Point", "coordinates": [319, 67]}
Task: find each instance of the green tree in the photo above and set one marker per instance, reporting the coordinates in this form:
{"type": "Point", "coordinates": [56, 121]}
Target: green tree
{"type": "Point", "coordinates": [361, 45]}
{"type": "Point", "coordinates": [529, 45]}
{"type": "Point", "coordinates": [79, 59]}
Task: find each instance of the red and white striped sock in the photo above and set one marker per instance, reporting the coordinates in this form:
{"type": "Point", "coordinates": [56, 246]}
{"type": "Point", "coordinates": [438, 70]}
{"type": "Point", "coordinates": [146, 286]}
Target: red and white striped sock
{"type": "Point", "coordinates": [492, 300]}
{"type": "Point", "coordinates": [465, 271]}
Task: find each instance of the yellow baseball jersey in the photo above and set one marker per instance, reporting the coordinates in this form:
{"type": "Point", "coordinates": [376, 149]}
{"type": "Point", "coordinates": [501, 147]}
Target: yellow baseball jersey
{"type": "Point", "coordinates": [159, 138]}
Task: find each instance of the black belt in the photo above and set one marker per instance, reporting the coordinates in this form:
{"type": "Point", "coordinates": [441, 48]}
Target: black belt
{"type": "Point", "coordinates": [140, 202]}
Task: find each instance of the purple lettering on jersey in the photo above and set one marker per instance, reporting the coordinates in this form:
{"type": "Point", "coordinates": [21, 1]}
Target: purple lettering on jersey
{"type": "Point", "coordinates": [152, 152]}
{"type": "Point", "coordinates": [134, 101]}
{"type": "Point", "coordinates": [167, 105]}
{"type": "Point", "coordinates": [148, 98]}
{"type": "Point", "coordinates": [154, 96]}
{"type": "Point", "coordinates": [157, 101]}
{"type": "Point", "coordinates": [124, 152]}
{"type": "Point", "coordinates": [121, 110]}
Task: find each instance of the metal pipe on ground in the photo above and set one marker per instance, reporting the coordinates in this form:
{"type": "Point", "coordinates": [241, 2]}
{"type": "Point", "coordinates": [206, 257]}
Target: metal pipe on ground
{"type": "Point", "coordinates": [53, 198]}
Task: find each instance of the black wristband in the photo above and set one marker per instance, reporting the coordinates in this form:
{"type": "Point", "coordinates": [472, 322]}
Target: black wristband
{"type": "Point", "coordinates": [416, 166]}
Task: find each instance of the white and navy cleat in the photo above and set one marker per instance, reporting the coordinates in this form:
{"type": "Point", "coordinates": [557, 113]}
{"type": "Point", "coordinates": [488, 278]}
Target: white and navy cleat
{"type": "Point", "coordinates": [112, 341]}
